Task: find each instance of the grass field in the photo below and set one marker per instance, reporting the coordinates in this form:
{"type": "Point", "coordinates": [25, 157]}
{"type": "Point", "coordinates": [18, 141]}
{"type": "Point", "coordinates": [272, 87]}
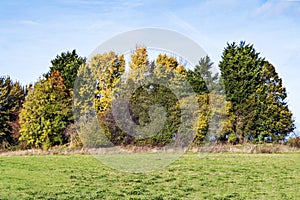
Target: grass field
{"type": "Point", "coordinates": [216, 176]}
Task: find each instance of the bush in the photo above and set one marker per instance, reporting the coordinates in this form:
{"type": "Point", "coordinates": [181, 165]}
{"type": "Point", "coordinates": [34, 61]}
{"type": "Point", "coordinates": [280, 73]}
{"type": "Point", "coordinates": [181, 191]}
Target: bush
{"type": "Point", "coordinates": [232, 138]}
{"type": "Point", "coordinates": [294, 142]}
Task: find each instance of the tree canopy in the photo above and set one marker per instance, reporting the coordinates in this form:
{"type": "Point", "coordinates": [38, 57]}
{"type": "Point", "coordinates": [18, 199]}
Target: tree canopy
{"type": "Point", "coordinates": [246, 103]}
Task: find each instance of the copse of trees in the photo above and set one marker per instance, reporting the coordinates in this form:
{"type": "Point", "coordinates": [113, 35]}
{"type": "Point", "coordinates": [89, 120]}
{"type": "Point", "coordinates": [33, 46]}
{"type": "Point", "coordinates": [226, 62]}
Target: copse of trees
{"type": "Point", "coordinates": [107, 70]}
{"type": "Point", "coordinates": [254, 107]}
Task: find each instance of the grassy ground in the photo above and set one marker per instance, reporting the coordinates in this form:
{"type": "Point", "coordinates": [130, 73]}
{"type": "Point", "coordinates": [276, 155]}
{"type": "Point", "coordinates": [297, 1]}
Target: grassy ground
{"type": "Point", "coordinates": [216, 176]}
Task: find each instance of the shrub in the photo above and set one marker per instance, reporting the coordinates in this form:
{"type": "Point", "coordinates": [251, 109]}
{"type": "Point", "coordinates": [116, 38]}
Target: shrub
{"type": "Point", "coordinates": [232, 138]}
{"type": "Point", "coordinates": [294, 142]}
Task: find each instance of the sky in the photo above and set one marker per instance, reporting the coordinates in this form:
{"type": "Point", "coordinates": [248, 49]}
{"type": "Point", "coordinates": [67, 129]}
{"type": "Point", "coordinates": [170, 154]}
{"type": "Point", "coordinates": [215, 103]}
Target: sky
{"type": "Point", "coordinates": [33, 32]}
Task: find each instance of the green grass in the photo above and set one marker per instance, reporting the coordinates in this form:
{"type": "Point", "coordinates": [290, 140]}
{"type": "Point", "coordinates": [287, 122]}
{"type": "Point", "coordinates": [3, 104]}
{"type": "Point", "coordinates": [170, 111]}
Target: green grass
{"type": "Point", "coordinates": [216, 176]}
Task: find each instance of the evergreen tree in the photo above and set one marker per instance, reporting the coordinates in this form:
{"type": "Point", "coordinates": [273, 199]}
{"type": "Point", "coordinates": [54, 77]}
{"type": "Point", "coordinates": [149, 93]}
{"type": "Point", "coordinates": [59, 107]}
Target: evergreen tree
{"type": "Point", "coordinates": [268, 118]}
{"type": "Point", "coordinates": [202, 79]}
{"type": "Point", "coordinates": [46, 113]}
{"type": "Point", "coordinates": [11, 98]}
{"type": "Point", "coordinates": [67, 63]}
{"type": "Point", "coordinates": [255, 91]}
{"type": "Point", "coordinates": [240, 67]}
{"type": "Point", "coordinates": [209, 94]}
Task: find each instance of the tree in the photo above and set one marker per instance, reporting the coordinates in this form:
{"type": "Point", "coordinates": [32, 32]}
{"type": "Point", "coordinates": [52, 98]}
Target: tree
{"type": "Point", "coordinates": [139, 58]}
{"type": "Point", "coordinates": [93, 94]}
{"type": "Point", "coordinates": [46, 113]}
{"type": "Point", "coordinates": [154, 105]}
{"type": "Point", "coordinates": [210, 98]}
{"type": "Point", "coordinates": [67, 64]}
{"type": "Point", "coordinates": [106, 70]}
{"type": "Point", "coordinates": [202, 79]}
{"type": "Point", "coordinates": [11, 98]}
{"type": "Point", "coordinates": [240, 67]}
{"type": "Point", "coordinates": [278, 120]}
{"type": "Point", "coordinates": [228, 124]}
{"type": "Point", "coordinates": [147, 123]}
{"type": "Point", "coordinates": [255, 91]}
{"type": "Point", "coordinates": [270, 118]}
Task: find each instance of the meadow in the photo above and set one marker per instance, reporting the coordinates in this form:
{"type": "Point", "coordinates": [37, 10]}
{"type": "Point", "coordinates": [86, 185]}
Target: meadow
{"type": "Point", "coordinates": [214, 176]}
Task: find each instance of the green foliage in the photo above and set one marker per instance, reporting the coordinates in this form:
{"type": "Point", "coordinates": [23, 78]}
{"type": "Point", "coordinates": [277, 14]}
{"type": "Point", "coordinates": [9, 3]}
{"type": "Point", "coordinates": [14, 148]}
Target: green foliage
{"type": "Point", "coordinates": [232, 138]}
{"type": "Point", "coordinates": [144, 108]}
{"type": "Point", "coordinates": [254, 110]}
{"type": "Point", "coordinates": [267, 117]}
{"type": "Point", "coordinates": [277, 120]}
{"type": "Point", "coordinates": [83, 98]}
{"type": "Point", "coordinates": [212, 111]}
{"type": "Point", "coordinates": [46, 113]}
{"type": "Point", "coordinates": [154, 106]}
{"type": "Point", "coordinates": [11, 98]}
{"type": "Point", "coordinates": [105, 71]}
{"type": "Point", "coordinates": [240, 67]}
{"type": "Point", "coordinates": [67, 64]}
{"type": "Point", "coordinates": [202, 79]}
{"type": "Point", "coordinates": [257, 96]}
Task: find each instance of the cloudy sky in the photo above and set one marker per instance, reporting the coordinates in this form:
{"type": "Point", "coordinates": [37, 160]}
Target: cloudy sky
{"type": "Point", "coordinates": [34, 32]}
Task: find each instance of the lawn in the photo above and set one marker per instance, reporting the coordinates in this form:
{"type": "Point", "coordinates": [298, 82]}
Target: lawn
{"type": "Point", "coordinates": [215, 176]}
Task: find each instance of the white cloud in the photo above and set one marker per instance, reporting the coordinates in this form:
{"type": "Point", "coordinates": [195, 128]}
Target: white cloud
{"type": "Point", "coordinates": [28, 22]}
{"type": "Point", "coordinates": [273, 8]}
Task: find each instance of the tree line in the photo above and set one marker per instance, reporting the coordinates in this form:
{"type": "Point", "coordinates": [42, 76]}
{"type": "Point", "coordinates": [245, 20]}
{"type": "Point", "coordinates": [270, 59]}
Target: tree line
{"type": "Point", "coordinates": [252, 99]}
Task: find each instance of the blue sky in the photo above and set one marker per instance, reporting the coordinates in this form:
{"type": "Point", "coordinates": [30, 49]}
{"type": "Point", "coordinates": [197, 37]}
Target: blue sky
{"type": "Point", "coordinates": [34, 32]}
